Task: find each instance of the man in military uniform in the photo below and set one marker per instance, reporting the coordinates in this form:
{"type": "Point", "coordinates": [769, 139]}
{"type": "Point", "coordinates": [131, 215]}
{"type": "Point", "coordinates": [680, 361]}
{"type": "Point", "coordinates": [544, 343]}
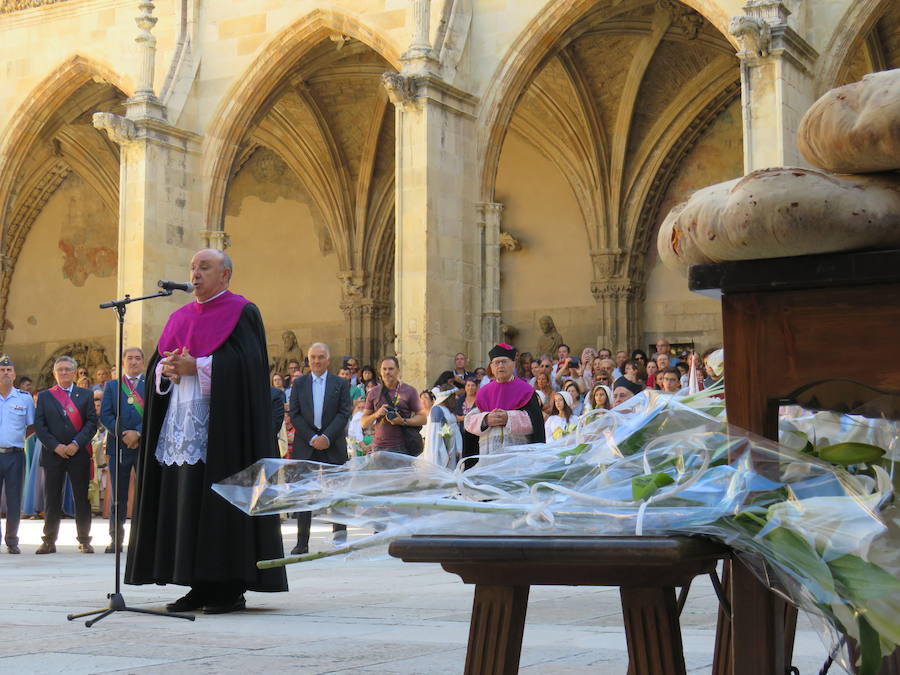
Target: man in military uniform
{"type": "Point", "coordinates": [16, 422]}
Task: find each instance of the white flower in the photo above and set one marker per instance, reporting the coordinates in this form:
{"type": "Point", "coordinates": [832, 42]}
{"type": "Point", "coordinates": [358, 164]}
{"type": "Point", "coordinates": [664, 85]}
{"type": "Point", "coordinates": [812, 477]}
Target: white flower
{"type": "Point", "coordinates": [833, 526]}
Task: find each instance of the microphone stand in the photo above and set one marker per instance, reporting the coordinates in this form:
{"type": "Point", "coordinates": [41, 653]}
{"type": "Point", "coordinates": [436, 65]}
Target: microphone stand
{"type": "Point", "coordinates": [116, 600]}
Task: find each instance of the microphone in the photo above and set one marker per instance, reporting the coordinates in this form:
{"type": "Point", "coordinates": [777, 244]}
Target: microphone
{"type": "Point", "coordinates": [175, 286]}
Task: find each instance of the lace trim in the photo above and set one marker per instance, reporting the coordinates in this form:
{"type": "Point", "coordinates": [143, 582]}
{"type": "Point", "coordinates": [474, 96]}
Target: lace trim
{"type": "Point", "coordinates": [184, 435]}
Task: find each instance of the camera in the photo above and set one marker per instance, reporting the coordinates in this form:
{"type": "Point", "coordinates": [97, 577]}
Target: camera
{"type": "Point", "coordinates": [392, 412]}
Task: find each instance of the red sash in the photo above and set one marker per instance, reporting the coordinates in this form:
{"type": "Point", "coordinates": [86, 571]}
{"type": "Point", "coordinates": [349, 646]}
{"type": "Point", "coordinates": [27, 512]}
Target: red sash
{"type": "Point", "coordinates": [68, 406]}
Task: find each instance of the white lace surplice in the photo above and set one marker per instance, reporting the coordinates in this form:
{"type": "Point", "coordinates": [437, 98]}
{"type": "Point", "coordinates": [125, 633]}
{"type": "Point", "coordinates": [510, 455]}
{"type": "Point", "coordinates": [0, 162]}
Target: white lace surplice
{"type": "Point", "coordinates": [185, 430]}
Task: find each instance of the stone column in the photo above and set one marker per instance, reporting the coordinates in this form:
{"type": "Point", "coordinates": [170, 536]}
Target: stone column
{"type": "Point", "coordinates": [366, 316]}
{"type": "Point", "coordinates": [619, 298]}
{"type": "Point", "coordinates": [489, 216]}
{"type": "Point", "coordinates": [157, 210]}
{"type": "Point", "coordinates": [777, 86]}
{"type": "Point", "coordinates": [435, 230]}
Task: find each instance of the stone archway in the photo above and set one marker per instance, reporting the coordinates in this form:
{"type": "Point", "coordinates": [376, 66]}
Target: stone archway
{"type": "Point", "coordinates": [248, 95]}
{"type": "Point", "coordinates": [852, 33]}
{"type": "Point", "coordinates": [531, 48]}
{"type": "Point", "coordinates": [323, 135]}
{"type": "Point", "coordinates": [628, 91]}
{"type": "Point", "coordinates": [52, 148]}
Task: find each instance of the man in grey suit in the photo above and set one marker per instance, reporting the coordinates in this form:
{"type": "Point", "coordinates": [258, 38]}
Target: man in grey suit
{"type": "Point", "coordinates": [320, 411]}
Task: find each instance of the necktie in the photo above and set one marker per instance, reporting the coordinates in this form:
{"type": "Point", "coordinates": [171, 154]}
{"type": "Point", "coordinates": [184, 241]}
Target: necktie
{"type": "Point", "coordinates": [318, 400]}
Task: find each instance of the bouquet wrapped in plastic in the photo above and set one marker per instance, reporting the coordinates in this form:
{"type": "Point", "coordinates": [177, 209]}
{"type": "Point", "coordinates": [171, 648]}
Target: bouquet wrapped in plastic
{"type": "Point", "coordinates": [814, 516]}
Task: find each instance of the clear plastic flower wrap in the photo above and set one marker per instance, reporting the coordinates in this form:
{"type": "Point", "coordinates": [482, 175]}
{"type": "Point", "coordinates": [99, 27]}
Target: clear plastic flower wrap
{"type": "Point", "coordinates": [824, 536]}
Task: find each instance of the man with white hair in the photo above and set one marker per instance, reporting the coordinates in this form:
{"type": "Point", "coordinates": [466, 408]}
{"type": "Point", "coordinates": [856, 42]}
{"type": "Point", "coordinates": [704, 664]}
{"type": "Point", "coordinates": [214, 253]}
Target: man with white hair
{"type": "Point", "coordinates": [65, 421]}
{"type": "Point", "coordinates": [208, 415]}
{"type": "Point", "coordinates": [320, 412]}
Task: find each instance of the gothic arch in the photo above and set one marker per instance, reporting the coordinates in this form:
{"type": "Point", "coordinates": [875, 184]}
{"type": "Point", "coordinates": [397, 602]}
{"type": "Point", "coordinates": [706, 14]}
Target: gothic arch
{"type": "Point", "coordinates": [40, 105]}
{"type": "Point", "coordinates": [540, 38]}
{"type": "Point", "coordinates": [251, 90]}
{"type": "Point", "coordinates": [29, 175]}
{"type": "Point", "coordinates": [859, 19]}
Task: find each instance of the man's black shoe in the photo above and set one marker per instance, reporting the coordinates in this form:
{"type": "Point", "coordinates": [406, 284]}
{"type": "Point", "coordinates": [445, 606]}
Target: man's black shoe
{"type": "Point", "coordinates": [300, 550]}
{"type": "Point", "coordinates": [85, 548]}
{"type": "Point", "coordinates": [186, 603]}
{"type": "Point", "coordinates": [234, 605]}
{"type": "Point", "coordinates": [46, 547]}
{"type": "Point", "coordinates": [13, 548]}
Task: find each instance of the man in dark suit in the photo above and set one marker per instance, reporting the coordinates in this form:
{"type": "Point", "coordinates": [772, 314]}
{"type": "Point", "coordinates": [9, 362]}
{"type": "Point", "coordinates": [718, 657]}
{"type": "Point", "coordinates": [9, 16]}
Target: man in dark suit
{"type": "Point", "coordinates": [65, 422]}
{"type": "Point", "coordinates": [130, 388]}
{"type": "Point", "coordinates": [320, 411]}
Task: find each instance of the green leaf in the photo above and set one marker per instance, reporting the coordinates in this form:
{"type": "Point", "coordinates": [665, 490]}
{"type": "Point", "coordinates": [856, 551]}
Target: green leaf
{"type": "Point", "coordinates": [869, 649]}
{"type": "Point", "coordinates": [644, 486]}
{"type": "Point", "coordinates": [801, 559]}
{"type": "Point", "coordinates": [847, 454]}
{"type": "Point", "coordinates": [574, 452]}
{"type": "Point", "coordinates": [862, 580]}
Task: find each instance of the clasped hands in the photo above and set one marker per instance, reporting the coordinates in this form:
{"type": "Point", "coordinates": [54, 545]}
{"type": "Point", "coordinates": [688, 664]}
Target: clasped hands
{"type": "Point", "coordinates": [320, 442]}
{"type": "Point", "coordinates": [66, 451]}
{"type": "Point", "coordinates": [178, 363]}
{"type": "Point", "coordinates": [497, 418]}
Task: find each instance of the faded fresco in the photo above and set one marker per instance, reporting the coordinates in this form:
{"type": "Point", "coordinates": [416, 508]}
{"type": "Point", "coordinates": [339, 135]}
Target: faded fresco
{"type": "Point", "coordinates": [88, 235]}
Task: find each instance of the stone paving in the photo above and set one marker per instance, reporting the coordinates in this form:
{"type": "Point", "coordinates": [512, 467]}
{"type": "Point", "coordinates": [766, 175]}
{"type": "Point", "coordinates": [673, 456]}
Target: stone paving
{"type": "Point", "coordinates": [340, 616]}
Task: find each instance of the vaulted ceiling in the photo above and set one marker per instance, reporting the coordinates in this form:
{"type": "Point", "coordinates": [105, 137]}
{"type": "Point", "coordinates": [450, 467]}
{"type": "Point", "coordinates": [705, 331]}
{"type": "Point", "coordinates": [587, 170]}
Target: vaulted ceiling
{"type": "Point", "coordinates": [332, 124]}
{"type": "Point", "coordinates": [616, 105]}
{"type": "Point", "coordinates": [66, 143]}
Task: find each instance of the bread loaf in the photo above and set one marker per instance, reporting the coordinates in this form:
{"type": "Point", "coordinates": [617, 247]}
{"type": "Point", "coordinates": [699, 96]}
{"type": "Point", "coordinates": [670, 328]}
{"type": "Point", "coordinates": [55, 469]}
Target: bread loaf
{"type": "Point", "coordinates": [776, 213]}
{"type": "Point", "coordinates": [855, 128]}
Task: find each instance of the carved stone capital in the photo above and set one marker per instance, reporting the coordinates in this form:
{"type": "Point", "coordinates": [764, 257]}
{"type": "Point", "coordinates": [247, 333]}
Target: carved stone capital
{"type": "Point", "coordinates": [402, 90]}
{"type": "Point", "coordinates": [754, 35]}
{"type": "Point", "coordinates": [353, 285]}
{"type": "Point", "coordinates": [773, 12]}
{"type": "Point", "coordinates": [119, 129]}
{"type": "Point", "coordinates": [623, 290]}
{"type": "Point", "coordinates": [217, 239]}
{"type": "Point", "coordinates": [608, 262]}
{"type": "Point", "coordinates": [509, 243]}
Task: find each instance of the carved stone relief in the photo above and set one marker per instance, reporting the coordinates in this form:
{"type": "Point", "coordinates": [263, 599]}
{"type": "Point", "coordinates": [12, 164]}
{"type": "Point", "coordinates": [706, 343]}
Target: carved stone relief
{"type": "Point", "coordinates": [550, 339]}
{"type": "Point", "coordinates": [9, 6]}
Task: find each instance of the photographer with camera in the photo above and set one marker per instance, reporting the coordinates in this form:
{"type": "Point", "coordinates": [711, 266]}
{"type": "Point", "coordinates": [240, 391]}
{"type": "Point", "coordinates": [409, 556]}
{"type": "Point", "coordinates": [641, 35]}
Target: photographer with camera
{"type": "Point", "coordinates": [395, 410]}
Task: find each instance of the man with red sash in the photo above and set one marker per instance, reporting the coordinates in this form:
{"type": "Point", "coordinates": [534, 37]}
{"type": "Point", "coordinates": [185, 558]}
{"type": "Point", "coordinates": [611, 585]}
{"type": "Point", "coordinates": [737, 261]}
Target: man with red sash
{"type": "Point", "coordinates": [208, 415]}
{"type": "Point", "coordinates": [65, 421]}
{"type": "Point", "coordinates": [507, 411]}
{"type": "Point", "coordinates": [130, 388]}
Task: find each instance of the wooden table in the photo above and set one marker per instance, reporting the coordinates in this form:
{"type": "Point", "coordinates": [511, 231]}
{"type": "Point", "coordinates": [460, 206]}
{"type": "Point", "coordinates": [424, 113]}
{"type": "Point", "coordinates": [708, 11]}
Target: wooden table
{"type": "Point", "coordinates": [646, 569]}
{"type": "Point", "coordinates": [787, 323]}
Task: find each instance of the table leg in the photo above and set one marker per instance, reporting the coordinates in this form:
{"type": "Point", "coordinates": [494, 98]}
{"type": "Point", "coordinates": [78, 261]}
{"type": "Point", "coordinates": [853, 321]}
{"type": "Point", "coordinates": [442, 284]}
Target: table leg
{"type": "Point", "coordinates": [758, 618]}
{"type": "Point", "coordinates": [495, 632]}
{"type": "Point", "coordinates": [652, 631]}
{"type": "Point", "coordinates": [722, 651]}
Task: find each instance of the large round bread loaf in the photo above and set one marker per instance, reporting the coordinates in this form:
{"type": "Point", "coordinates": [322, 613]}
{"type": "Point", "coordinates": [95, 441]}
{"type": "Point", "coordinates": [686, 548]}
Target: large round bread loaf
{"type": "Point", "coordinates": [776, 213]}
{"type": "Point", "coordinates": [855, 128]}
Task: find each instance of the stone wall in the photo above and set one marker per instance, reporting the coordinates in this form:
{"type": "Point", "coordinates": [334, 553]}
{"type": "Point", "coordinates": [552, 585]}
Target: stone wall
{"type": "Point", "coordinates": [283, 259]}
{"type": "Point", "coordinates": [66, 269]}
{"type": "Point", "coordinates": [671, 310]}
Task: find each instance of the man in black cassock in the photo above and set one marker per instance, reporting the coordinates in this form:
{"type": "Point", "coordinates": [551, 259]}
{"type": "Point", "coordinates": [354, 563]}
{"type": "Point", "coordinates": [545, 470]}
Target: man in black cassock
{"type": "Point", "coordinates": [208, 415]}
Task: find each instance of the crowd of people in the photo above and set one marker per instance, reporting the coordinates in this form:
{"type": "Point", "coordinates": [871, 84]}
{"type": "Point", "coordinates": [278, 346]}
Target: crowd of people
{"type": "Point", "coordinates": [566, 386]}
{"type": "Point", "coordinates": [383, 414]}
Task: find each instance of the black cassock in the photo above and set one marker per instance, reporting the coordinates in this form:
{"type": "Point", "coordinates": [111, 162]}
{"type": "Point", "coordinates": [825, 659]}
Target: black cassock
{"type": "Point", "coordinates": [182, 532]}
